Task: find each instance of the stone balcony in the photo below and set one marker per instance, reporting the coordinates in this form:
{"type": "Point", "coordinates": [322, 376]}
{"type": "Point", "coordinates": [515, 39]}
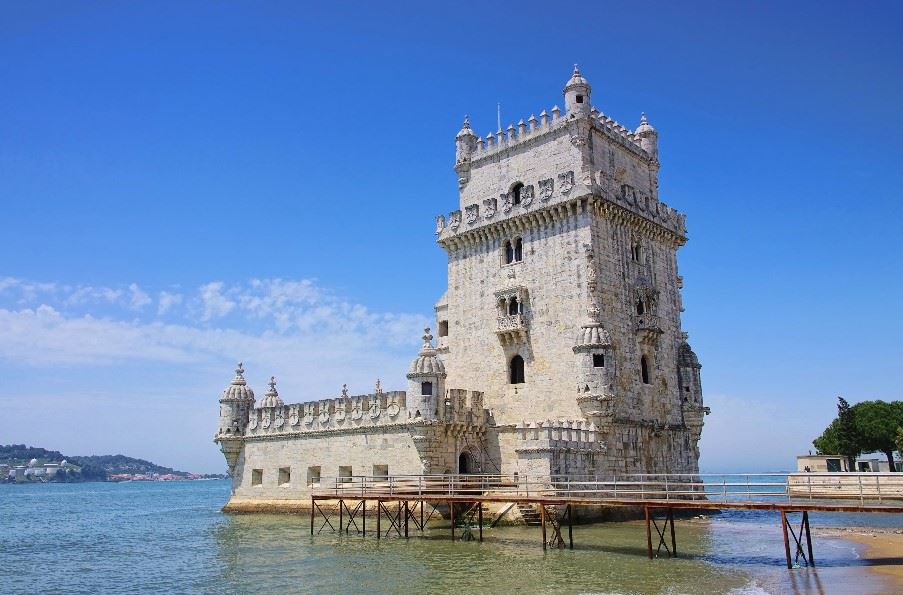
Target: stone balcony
{"type": "Point", "coordinates": [512, 328]}
{"type": "Point", "coordinates": [648, 327]}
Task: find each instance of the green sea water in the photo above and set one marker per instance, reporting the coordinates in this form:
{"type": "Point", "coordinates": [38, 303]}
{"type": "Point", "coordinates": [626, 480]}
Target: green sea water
{"type": "Point", "coordinates": [172, 538]}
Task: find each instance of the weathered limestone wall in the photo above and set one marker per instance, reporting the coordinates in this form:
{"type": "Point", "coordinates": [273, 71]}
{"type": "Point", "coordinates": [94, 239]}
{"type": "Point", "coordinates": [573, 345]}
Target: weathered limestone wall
{"type": "Point", "coordinates": [553, 309]}
{"type": "Point", "coordinates": [393, 446]}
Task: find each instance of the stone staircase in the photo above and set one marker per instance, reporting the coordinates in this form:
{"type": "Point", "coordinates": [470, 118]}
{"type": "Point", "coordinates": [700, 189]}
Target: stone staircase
{"type": "Point", "coordinates": [529, 514]}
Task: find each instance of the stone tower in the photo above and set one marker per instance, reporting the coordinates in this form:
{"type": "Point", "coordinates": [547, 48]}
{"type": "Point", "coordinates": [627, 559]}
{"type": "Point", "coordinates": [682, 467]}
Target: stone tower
{"type": "Point", "coordinates": [234, 406]}
{"type": "Point", "coordinates": [563, 303]}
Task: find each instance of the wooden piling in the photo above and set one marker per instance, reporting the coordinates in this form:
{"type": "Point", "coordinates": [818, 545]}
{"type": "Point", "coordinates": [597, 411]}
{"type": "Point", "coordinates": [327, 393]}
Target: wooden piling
{"type": "Point", "coordinates": [673, 538]}
{"type": "Point", "coordinates": [648, 532]}
{"type": "Point", "coordinates": [786, 539]}
{"type": "Point", "coordinates": [570, 526]}
{"type": "Point", "coordinates": [808, 537]}
{"type": "Point", "coordinates": [542, 516]}
{"type": "Point", "coordinates": [480, 517]}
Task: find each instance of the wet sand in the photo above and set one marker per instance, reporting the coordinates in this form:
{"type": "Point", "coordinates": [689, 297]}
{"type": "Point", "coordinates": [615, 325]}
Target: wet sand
{"type": "Point", "coordinates": [883, 549]}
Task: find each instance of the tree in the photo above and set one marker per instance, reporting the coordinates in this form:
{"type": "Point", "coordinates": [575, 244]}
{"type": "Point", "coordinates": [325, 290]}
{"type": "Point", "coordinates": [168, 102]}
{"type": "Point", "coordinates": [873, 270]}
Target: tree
{"type": "Point", "coordinates": [841, 436]}
{"type": "Point", "coordinates": [849, 441]}
{"type": "Point", "coordinates": [900, 440]}
{"type": "Point", "coordinates": [876, 423]}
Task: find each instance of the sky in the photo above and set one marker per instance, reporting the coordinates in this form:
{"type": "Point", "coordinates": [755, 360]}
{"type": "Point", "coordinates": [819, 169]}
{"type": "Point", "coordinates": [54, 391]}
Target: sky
{"type": "Point", "coordinates": [185, 185]}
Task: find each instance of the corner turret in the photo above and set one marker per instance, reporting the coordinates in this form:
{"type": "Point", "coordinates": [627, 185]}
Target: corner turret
{"type": "Point", "coordinates": [648, 137]}
{"type": "Point", "coordinates": [235, 404]}
{"type": "Point", "coordinates": [465, 146]}
{"type": "Point", "coordinates": [688, 375]}
{"type": "Point", "coordinates": [426, 380]}
{"type": "Point", "coordinates": [577, 95]}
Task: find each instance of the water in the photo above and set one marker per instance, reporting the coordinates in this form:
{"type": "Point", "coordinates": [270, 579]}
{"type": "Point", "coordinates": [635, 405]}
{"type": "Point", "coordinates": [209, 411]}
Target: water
{"type": "Point", "coordinates": [171, 538]}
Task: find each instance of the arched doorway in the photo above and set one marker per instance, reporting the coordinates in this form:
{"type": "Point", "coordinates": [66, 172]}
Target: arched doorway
{"type": "Point", "coordinates": [465, 463]}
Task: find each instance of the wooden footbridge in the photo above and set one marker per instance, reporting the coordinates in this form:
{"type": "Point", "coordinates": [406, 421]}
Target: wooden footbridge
{"type": "Point", "coordinates": [399, 502]}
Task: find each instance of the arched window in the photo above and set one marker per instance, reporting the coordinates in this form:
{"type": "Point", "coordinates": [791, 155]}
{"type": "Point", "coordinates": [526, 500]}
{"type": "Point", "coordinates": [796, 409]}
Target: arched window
{"type": "Point", "coordinates": [426, 388]}
{"type": "Point", "coordinates": [513, 307]}
{"type": "Point", "coordinates": [516, 193]}
{"type": "Point", "coordinates": [644, 369]}
{"type": "Point", "coordinates": [640, 307]}
{"type": "Point", "coordinates": [518, 250]}
{"type": "Point", "coordinates": [509, 252]}
{"type": "Point", "coordinates": [517, 370]}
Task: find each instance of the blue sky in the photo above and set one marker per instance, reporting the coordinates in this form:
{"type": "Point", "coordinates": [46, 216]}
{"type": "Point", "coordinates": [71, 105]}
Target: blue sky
{"type": "Point", "coordinates": [188, 184]}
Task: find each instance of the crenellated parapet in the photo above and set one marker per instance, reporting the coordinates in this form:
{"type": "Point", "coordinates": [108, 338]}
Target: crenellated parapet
{"type": "Point", "coordinates": [342, 413]}
{"type": "Point", "coordinates": [557, 436]}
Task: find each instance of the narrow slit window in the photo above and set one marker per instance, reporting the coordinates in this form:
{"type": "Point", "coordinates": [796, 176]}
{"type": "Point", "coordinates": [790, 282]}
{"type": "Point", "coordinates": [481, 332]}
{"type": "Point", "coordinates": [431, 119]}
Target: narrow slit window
{"type": "Point", "coordinates": [518, 250]}
{"type": "Point", "coordinates": [509, 252]}
{"type": "Point", "coordinates": [644, 369]}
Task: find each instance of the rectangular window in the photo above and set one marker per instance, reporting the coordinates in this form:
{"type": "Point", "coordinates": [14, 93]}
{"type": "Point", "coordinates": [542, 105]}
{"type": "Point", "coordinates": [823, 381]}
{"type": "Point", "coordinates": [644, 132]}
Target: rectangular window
{"type": "Point", "coordinates": [833, 465]}
{"type": "Point", "coordinates": [313, 477]}
{"type": "Point", "coordinates": [256, 477]}
{"type": "Point", "coordinates": [380, 472]}
{"type": "Point", "coordinates": [285, 475]}
{"type": "Point", "coordinates": [426, 388]}
{"type": "Point", "coordinates": [598, 360]}
{"type": "Point", "coordinates": [345, 474]}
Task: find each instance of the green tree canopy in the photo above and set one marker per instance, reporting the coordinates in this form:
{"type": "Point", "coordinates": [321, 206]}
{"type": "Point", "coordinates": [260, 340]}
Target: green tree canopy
{"type": "Point", "coordinates": [869, 426]}
{"type": "Point", "coordinates": [876, 424]}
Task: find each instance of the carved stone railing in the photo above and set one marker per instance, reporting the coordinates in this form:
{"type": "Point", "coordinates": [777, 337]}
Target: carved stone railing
{"type": "Point", "coordinates": [648, 322]}
{"type": "Point", "coordinates": [512, 322]}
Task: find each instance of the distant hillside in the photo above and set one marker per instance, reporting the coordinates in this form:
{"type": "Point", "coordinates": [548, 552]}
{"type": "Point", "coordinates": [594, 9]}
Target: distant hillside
{"type": "Point", "coordinates": [90, 468]}
{"type": "Point", "coordinates": [19, 454]}
{"type": "Point", "coordinates": [114, 464]}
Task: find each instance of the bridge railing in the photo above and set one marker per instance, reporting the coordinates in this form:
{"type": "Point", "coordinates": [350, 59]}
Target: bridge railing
{"type": "Point", "coordinates": [866, 488]}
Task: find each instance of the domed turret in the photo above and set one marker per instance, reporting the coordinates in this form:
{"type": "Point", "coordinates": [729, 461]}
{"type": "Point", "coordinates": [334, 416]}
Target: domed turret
{"type": "Point", "coordinates": [648, 137]}
{"type": "Point", "coordinates": [577, 94]}
{"type": "Point", "coordinates": [238, 389]}
{"type": "Point", "coordinates": [236, 402]}
{"type": "Point", "coordinates": [595, 365]}
{"type": "Point", "coordinates": [426, 380]}
{"type": "Point", "coordinates": [271, 398]}
{"type": "Point", "coordinates": [234, 406]}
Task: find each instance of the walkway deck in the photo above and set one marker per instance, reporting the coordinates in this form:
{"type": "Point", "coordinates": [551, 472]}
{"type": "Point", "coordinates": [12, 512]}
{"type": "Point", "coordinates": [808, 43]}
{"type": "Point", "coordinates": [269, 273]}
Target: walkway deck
{"type": "Point", "coordinates": [784, 493]}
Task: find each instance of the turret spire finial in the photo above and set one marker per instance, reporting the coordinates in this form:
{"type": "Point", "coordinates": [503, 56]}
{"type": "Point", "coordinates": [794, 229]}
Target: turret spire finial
{"type": "Point", "coordinates": [239, 375]}
{"type": "Point", "coordinates": [643, 118]}
{"type": "Point", "coordinates": [272, 385]}
{"type": "Point", "coordinates": [427, 338]}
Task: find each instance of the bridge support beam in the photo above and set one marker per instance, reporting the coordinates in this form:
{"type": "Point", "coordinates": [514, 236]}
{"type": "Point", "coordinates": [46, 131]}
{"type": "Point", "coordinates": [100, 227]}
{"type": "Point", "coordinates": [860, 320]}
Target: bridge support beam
{"type": "Point", "coordinates": [660, 531]}
{"type": "Point", "coordinates": [804, 531]}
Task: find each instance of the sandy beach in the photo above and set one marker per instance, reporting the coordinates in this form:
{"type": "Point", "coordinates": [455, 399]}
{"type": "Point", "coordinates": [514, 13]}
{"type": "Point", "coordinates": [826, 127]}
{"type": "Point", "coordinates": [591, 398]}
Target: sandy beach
{"type": "Point", "coordinates": [883, 548]}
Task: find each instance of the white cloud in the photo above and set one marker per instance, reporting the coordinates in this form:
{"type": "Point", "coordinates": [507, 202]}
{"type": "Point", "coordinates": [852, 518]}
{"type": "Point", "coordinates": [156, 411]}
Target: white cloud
{"type": "Point", "coordinates": [138, 298]}
{"type": "Point", "coordinates": [166, 301]}
{"type": "Point", "coordinates": [214, 303]}
{"type": "Point", "coordinates": [278, 321]}
{"type": "Point", "coordinates": [86, 294]}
